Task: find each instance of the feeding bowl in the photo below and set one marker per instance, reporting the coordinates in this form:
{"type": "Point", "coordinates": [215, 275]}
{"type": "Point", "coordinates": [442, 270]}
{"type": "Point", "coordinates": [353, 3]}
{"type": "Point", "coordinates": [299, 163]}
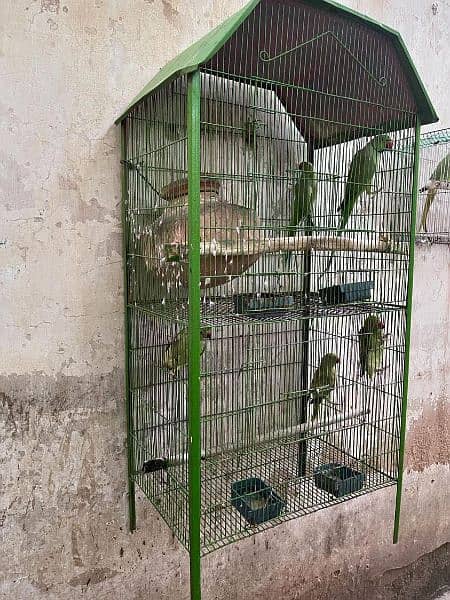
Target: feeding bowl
{"type": "Point", "coordinates": [256, 500]}
{"type": "Point", "coordinates": [338, 479]}
{"type": "Point", "coordinates": [262, 303]}
{"type": "Point", "coordinates": [346, 293]}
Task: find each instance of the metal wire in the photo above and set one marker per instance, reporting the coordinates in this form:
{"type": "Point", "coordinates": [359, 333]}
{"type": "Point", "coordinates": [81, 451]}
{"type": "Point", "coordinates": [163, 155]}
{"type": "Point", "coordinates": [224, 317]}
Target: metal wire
{"type": "Point", "coordinates": [269, 317]}
{"type": "Point", "coordinates": [433, 208]}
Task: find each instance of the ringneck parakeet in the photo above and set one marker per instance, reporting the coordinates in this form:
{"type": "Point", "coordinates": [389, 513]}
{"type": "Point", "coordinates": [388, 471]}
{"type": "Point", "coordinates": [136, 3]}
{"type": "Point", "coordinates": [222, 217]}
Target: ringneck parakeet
{"type": "Point", "coordinates": [176, 355]}
{"type": "Point", "coordinates": [304, 198]}
{"type": "Point", "coordinates": [441, 175]}
{"type": "Point", "coordinates": [371, 341]}
{"type": "Point", "coordinates": [362, 170]}
{"type": "Point", "coordinates": [323, 382]}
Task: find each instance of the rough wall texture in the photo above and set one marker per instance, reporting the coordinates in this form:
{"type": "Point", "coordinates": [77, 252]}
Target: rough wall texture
{"type": "Point", "coordinates": [68, 68]}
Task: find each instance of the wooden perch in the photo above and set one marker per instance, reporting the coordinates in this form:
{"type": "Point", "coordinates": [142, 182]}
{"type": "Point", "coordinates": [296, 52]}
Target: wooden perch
{"type": "Point", "coordinates": [258, 442]}
{"type": "Point", "coordinates": [297, 243]}
{"type": "Point", "coordinates": [175, 252]}
{"type": "Point", "coordinates": [315, 425]}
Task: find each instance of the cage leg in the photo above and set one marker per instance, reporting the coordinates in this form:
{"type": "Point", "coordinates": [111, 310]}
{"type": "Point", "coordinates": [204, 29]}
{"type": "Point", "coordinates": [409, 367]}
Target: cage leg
{"type": "Point", "coordinates": [401, 449]}
{"type": "Point", "coordinates": [131, 505]}
{"type": "Point", "coordinates": [194, 350]}
{"type": "Point", "coordinates": [128, 408]}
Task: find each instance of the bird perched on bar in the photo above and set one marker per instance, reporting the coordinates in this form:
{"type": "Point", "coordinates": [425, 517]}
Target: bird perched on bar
{"type": "Point", "coordinates": [304, 199]}
{"type": "Point", "coordinates": [176, 354]}
{"type": "Point", "coordinates": [438, 179]}
{"type": "Point", "coordinates": [323, 382]}
{"type": "Point", "coordinates": [362, 170]}
{"type": "Point", "coordinates": [371, 343]}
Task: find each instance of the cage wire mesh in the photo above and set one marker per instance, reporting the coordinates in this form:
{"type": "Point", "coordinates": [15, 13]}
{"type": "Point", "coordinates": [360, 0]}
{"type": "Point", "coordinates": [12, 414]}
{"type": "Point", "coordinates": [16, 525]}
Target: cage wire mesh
{"type": "Point", "coordinates": [302, 315]}
{"type": "Point", "coordinates": [433, 207]}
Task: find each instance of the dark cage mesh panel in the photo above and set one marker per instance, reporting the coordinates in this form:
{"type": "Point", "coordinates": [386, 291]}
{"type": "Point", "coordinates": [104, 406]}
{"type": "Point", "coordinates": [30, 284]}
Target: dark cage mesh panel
{"type": "Point", "coordinates": [303, 273]}
{"type": "Point", "coordinates": [338, 78]}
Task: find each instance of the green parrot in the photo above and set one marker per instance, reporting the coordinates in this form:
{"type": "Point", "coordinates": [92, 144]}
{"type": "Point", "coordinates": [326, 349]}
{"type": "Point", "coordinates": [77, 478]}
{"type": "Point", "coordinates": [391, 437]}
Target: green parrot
{"type": "Point", "coordinates": [371, 341]}
{"type": "Point", "coordinates": [439, 178]}
{"type": "Point", "coordinates": [176, 355]}
{"type": "Point", "coordinates": [362, 170]}
{"type": "Point", "coordinates": [305, 194]}
{"type": "Point", "coordinates": [323, 382]}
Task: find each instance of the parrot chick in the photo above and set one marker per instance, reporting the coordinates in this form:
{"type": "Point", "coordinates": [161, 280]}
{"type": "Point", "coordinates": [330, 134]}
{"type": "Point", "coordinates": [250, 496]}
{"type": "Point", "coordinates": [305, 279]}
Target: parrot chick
{"type": "Point", "coordinates": [176, 354]}
{"type": "Point", "coordinates": [371, 342]}
{"type": "Point", "coordinates": [304, 199]}
{"type": "Point", "coordinates": [323, 382]}
{"type": "Point", "coordinates": [362, 170]}
{"type": "Point", "coordinates": [438, 179]}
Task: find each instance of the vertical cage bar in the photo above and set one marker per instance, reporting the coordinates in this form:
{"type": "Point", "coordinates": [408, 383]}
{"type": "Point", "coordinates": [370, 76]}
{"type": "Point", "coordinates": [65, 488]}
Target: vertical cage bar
{"type": "Point", "coordinates": [194, 435]}
{"type": "Point", "coordinates": [128, 407]}
{"type": "Point", "coordinates": [401, 451]}
{"type": "Point", "coordinates": [305, 327]}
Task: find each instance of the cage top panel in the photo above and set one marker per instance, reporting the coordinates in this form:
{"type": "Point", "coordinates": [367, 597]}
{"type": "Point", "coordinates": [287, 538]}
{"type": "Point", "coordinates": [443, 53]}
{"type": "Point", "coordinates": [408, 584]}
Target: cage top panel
{"type": "Point", "coordinates": [329, 65]}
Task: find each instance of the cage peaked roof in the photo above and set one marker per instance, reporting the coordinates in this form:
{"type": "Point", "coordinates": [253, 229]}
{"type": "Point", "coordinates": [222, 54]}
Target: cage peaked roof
{"type": "Point", "coordinates": [303, 49]}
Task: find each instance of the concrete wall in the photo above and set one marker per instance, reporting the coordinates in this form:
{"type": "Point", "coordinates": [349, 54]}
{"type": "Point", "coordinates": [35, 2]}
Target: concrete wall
{"type": "Point", "coordinates": [68, 68]}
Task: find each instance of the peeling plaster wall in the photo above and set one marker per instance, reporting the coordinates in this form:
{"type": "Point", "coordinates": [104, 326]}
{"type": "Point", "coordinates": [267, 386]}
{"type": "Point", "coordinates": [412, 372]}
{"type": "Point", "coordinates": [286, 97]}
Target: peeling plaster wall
{"type": "Point", "coordinates": [68, 68]}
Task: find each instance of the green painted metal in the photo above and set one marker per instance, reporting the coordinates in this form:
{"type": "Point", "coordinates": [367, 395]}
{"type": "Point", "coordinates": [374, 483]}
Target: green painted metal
{"type": "Point", "coordinates": [128, 406]}
{"type": "Point", "coordinates": [194, 412]}
{"type": "Point", "coordinates": [433, 138]}
{"type": "Point", "coordinates": [246, 401]}
{"type": "Point", "coordinates": [401, 458]}
{"type": "Point", "coordinates": [201, 51]}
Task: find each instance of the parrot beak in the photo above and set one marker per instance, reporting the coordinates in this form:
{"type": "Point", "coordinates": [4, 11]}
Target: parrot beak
{"type": "Point", "coordinates": [389, 144]}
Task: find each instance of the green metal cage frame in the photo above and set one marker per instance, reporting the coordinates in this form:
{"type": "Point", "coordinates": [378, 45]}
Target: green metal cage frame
{"type": "Point", "coordinates": [189, 63]}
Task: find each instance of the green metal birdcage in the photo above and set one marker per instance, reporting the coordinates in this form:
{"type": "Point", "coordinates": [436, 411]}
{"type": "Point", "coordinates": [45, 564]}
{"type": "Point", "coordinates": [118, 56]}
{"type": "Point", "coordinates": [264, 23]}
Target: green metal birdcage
{"type": "Point", "coordinates": [268, 210]}
{"type": "Point", "coordinates": [433, 207]}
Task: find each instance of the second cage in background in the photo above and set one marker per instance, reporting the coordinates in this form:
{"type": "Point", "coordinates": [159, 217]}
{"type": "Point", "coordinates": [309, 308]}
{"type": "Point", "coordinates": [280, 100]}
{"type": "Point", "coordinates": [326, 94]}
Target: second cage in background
{"type": "Point", "coordinates": [433, 207]}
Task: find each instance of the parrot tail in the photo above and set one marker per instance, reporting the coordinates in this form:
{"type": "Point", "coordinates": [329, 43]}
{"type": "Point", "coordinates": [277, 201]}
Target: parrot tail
{"type": "Point", "coordinates": [426, 209]}
{"type": "Point", "coordinates": [287, 259]}
{"type": "Point", "coordinates": [339, 232]}
{"type": "Point", "coordinates": [309, 224]}
{"type": "Point", "coordinates": [327, 266]}
{"type": "Point", "coordinates": [315, 414]}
